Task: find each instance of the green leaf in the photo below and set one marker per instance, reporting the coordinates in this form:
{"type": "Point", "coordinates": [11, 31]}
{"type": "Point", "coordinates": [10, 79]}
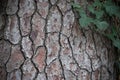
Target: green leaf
{"type": "Point", "coordinates": [112, 10]}
{"type": "Point", "coordinates": [116, 43]}
{"type": "Point", "coordinates": [82, 12]}
{"type": "Point", "coordinates": [91, 9]}
{"type": "Point", "coordinates": [110, 36]}
{"type": "Point", "coordinates": [97, 3]}
{"type": "Point", "coordinates": [102, 25]}
{"type": "Point", "coordinates": [76, 5]}
{"type": "Point", "coordinates": [114, 31]}
{"type": "Point", "coordinates": [85, 21]}
{"type": "Point", "coordinates": [99, 14]}
{"type": "Point", "coordinates": [108, 2]}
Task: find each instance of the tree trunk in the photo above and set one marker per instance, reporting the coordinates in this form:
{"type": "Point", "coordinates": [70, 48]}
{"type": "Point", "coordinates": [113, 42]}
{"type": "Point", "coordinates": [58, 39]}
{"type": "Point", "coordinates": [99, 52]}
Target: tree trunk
{"type": "Point", "coordinates": [41, 40]}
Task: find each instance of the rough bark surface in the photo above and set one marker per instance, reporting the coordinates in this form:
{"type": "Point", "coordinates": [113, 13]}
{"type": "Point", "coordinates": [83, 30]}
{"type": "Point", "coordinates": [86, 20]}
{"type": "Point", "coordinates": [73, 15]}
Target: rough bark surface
{"type": "Point", "coordinates": [41, 40]}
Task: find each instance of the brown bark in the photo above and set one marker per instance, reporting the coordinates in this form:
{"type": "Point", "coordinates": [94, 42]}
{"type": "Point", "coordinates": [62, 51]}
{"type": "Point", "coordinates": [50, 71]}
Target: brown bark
{"type": "Point", "coordinates": [42, 41]}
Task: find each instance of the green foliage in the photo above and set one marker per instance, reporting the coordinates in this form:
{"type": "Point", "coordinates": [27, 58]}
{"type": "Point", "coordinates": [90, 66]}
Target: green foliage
{"type": "Point", "coordinates": [116, 43]}
{"type": "Point", "coordinates": [101, 25]}
{"type": "Point", "coordinates": [100, 10]}
{"type": "Point", "coordinates": [85, 21]}
{"type": "Point", "coordinates": [112, 9]}
{"type": "Point", "coordinates": [100, 14]}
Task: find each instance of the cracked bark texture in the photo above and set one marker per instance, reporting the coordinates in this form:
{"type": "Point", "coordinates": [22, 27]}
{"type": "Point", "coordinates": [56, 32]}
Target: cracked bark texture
{"type": "Point", "coordinates": [41, 40]}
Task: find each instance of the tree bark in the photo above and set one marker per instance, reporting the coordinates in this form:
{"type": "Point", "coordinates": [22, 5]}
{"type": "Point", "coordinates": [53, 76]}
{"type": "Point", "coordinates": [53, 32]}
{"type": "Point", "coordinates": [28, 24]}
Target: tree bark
{"type": "Point", "coordinates": [41, 40]}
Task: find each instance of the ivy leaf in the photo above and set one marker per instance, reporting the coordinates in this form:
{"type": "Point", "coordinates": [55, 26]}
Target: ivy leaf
{"type": "Point", "coordinates": [99, 14]}
{"type": "Point", "coordinates": [103, 25]}
{"type": "Point", "coordinates": [112, 10]}
{"type": "Point", "coordinates": [82, 12]}
{"type": "Point", "coordinates": [85, 21]}
{"type": "Point", "coordinates": [114, 31]}
{"type": "Point", "coordinates": [91, 9]}
{"type": "Point", "coordinates": [76, 5]}
{"type": "Point", "coordinates": [110, 36]}
{"type": "Point", "coordinates": [108, 2]}
{"type": "Point", "coordinates": [116, 43]}
{"type": "Point", "coordinates": [97, 3]}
